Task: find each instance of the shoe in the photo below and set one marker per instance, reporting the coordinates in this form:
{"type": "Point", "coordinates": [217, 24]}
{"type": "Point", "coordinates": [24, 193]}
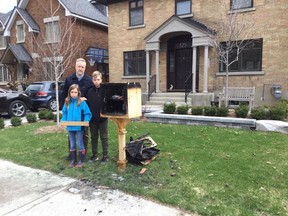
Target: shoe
{"type": "Point", "coordinates": [104, 160]}
{"type": "Point", "coordinates": [93, 158]}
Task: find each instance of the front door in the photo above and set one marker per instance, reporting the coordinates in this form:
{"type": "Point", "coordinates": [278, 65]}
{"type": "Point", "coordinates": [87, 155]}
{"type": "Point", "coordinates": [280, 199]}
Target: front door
{"type": "Point", "coordinates": [179, 64]}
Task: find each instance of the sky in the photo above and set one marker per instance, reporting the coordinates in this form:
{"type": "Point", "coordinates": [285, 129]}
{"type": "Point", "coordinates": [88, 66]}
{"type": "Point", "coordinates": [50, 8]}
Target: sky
{"type": "Point", "coordinates": [7, 5]}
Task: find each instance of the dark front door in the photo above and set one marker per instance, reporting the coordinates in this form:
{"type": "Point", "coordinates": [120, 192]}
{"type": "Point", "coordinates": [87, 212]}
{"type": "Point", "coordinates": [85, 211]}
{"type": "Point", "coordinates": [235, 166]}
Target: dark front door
{"type": "Point", "coordinates": [179, 62]}
{"type": "Point", "coordinates": [183, 67]}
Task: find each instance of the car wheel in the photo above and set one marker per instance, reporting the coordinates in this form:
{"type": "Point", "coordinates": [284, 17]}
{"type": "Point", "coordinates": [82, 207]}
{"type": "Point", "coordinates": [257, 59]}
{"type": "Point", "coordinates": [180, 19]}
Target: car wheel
{"type": "Point", "coordinates": [17, 108]}
{"type": "Point", "coordinates": [52, 104]}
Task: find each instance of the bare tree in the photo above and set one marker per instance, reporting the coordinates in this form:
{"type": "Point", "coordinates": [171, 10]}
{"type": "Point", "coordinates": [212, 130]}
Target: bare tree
{"type": "Point", "coordinates": [234, 32]}
{"type": "Point", "coordinates": [56, 46]}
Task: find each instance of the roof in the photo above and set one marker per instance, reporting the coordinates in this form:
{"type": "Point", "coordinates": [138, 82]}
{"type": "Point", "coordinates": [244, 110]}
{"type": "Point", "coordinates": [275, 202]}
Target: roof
{"type": "Point", "coordinates": [28, 19]}
{"type": "Point", "coordinates": [83, 9]}
{"type": "Point", "coordinates": [198, 24]}
{"type": "Point", "coordinates": [17, 51]}
{"type": "Point", "coordinates": [4, 18]}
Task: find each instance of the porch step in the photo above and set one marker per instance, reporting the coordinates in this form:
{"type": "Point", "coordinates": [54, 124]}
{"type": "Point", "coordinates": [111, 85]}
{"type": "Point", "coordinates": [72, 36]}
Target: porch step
{"type": "Point", "coordinates": [160, 98]}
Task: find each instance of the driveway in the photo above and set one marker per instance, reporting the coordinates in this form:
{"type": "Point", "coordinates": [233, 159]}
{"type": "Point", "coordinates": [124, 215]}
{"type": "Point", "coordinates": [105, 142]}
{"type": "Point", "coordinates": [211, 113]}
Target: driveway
{"type": "Point", "coordinates": [32, 192]}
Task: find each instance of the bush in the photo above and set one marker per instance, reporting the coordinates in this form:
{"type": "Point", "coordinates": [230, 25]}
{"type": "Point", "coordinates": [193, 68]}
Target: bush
{"type": "Point", "coordinates": [46, 114]}
{"type": "Point", "coordinates": [222, 111]}
{"type": "Point", "coordinates": [2, 123]}
{"type": "Point", "coordinates": [210, 110]}
{"type": "Point", "coordinates": [16, 121]}
{"type": "Point", "coordinates": [242, 111]}
{"type": "Point", "coordinates": [278, 112]}
{"type": "Point", "coordinates": [182, 110]}
{"type": "Point", "coordinates": [31, 118]}
{"type": "Point", "coordinates": [259, 113]}
{"type": "Point", "coordinates": [197, 110]}
{"type": "Point", "coordinates": [169, 107]}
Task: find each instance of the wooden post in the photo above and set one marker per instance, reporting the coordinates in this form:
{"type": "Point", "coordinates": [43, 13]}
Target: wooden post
{"type": "Point", "coordinates": [121, 124]}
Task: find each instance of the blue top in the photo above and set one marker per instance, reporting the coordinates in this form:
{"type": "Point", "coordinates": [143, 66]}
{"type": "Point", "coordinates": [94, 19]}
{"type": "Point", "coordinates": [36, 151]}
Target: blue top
{"type": "Point", "coordinates": [76, 113]}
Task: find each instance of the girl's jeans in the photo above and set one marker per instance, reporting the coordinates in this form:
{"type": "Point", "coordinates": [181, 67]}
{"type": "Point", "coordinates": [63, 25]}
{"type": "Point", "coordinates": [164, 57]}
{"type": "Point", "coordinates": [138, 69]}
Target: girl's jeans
{"type": "Point", "coordinates": [72, 137]}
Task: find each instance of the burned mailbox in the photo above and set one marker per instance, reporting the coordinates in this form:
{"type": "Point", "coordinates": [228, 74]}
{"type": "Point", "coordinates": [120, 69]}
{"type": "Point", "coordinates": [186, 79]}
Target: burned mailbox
{"type": "Point", "coordinates": [121, 100]}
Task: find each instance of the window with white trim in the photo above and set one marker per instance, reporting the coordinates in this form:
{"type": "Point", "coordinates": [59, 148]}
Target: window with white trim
{"type": "Point", "coordinates": [134, 63]}
{"type": "Point", "coordinates": [3, 42]}
{"type": "Point", "coordinates": [20, 31]}
{"type": "Point", "coordinates": [52, 29]}
{"type": "Point", "coordinates": [183, 7]}
{"type": "Point", "coordinates": [50, 67]}
{"type": "Point", "coordinates": [3, 73]}
{"type": "Point", "coordinates": [136, 12]}
{"type": "Point", "coordinates": [241, 4]}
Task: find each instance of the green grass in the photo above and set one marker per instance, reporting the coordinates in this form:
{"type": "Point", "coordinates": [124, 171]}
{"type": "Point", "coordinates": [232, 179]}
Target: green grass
{"type": "Point", "coordinates": [219, 171]}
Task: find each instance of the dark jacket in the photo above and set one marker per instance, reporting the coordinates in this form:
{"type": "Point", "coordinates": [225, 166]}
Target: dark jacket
{"type": "Point", "coordinates": [95, 103]}
{"type": "Point", "coordinates": [85, 83]}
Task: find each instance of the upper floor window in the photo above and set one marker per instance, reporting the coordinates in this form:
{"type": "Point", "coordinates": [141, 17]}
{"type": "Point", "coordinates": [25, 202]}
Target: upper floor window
{"type": "Point", "coordinates": [136, 12]}
{"type": "Point", "coordinates": [3, 42]}
{"type": "Point", "coordinates": [241, 4]}
{"type": "Point", "coordinates": [183, 7]}
{"type": "Point", "coordinates": [249, 59]}
{"type": "Point", "coordinates": [52, 28]}
{"type": "Point", "coordinates": [20, 31]}
{"type": "Point", "coordinates": [134, 63]}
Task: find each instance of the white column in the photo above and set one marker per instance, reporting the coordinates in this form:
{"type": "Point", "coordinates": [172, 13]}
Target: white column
{"type": "Point", "coordinates": [157, 70]}
{"type": "Point", "coordinates": [205, 77]}
{"type": "Point", "coordinates": [147, 71]}
{"type": "Point", "coordinates": [194, 69]}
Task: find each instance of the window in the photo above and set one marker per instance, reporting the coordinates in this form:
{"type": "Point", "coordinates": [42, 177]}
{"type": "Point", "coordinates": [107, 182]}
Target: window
{"type": "Point", "coordinates": [249, 59]}
{"type": "Point", "coordinates": [241, 4]}
{"type": "Point", "coordinates": [20, 31]}
{"type": "Point", "coordinates": [3, 73]}
{"type": "Point", "coordinates": [52, 29]}
{"type": "Point", "coordinates": [2, 40]}
{"type": "Point", "coordinates": [136, 12]}
{"type": "Point", "coordinates": [183, 7]}
{"type": "Point", "coordinates": [134, 63]}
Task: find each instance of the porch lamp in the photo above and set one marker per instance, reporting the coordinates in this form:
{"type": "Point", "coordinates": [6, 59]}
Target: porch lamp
{"type": "Point", "coordinates": [90, 60]}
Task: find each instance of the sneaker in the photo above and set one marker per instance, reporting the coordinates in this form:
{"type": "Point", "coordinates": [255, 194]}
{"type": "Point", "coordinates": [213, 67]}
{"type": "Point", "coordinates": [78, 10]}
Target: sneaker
{"type": "Point", "coordinates": [104, 160]}
{"type": "Point", "coordinates": [93, 158]}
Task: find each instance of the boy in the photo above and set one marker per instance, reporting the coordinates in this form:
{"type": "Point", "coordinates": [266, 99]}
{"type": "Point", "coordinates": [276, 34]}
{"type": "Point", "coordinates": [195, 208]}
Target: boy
{"type": "Point", "coordinates": [97, 124]}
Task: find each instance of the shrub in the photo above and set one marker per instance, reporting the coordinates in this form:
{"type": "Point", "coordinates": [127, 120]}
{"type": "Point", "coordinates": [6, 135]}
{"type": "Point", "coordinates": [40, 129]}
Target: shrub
{"type": "Point", "coordinates": [169, 107]}
{"type": "Point", "coordinates": [259, 113]}
{"type": "Point", "coordinates": [222, 111]}
{"type": "Point", "coordinates": [278, 111]}
{"type": "Point", "coordinates": [182, 110]}
{"type": "Point", "coordinates": [197, 110]}
{"type": "Point", "coordinates": [16, 121]}
{"type": "Point", "coordinates": [2, 123]}
{"type": "Point", "coordinates": [31, 118]}
{"type": "Point", "coordinates": [210, 110]}
{"type": "Point", "coordinates": [242, 111]}
{"type": "Point", "coordinates": [46, 114]}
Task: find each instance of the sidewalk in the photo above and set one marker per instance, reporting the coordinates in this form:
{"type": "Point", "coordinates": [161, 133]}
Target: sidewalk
{"type": "Point", "coordinates": [32, 192]}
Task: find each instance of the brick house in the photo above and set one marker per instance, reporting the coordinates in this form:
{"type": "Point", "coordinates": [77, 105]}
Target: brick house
{"type": "Point", "coordinates": [168, 42]}
{"type": "Point", "coordinates": [46, 22]}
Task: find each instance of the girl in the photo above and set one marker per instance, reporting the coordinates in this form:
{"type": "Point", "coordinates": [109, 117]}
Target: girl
{"type": "Point", "coordinates": [74, 109]}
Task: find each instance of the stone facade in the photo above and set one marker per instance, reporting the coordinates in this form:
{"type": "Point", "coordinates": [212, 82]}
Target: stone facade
{"type": "Point", "coordinates": [270, 24]}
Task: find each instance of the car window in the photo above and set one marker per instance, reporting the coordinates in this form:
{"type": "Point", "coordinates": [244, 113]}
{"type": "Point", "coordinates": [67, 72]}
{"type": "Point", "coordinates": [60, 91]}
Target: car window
{"type": "Point", "coordinates": [61, 86]}
{"type": "Point", "coordinates": [35, 87]}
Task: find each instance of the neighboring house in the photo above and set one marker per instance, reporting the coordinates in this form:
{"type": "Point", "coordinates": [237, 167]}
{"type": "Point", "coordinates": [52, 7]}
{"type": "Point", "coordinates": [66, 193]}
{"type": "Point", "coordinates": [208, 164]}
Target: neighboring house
{"type": "Point", "coordinates": [4, 75]}
{"type": "Point", "coordinates": [168, 41]}
{"type": "Point", "coordinates": [45, 22]}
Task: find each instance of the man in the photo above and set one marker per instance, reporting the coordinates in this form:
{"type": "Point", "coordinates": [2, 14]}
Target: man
{"type": "Point", "coordinates": [84, 81]}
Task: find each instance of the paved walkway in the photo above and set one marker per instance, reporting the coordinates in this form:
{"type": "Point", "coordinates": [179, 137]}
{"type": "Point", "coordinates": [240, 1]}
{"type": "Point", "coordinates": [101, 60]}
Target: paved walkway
{"type": "Point", "coordinates": [32, 192]}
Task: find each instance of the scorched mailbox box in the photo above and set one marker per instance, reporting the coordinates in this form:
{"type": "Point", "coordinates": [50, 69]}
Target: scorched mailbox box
{"type": "Point", "coordinates": [121, 100]}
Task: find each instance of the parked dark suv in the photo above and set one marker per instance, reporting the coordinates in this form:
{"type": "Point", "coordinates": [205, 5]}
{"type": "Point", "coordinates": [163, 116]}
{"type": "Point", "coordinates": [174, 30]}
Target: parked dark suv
{"type": "Point", "coordinates": [43, 94]}
{"type": "Point", "coordinates": [14, 103]}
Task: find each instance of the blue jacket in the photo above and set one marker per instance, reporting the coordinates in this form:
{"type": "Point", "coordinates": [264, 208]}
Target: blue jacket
{"type": "Point", "coordinates": [76, 113]}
